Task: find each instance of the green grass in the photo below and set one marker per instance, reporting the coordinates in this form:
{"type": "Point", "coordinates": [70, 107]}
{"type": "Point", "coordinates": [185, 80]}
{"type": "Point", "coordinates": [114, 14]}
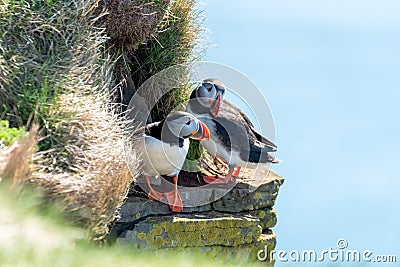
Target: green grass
{"type": "Point", "coordinates": [9, 135]}
{"type": "Point", "coordinates": [174, 42]}
{"type": "Point", "coordinates": [43, 47]}
{"type": "Point", "coordinates": [36, 53]}
{"type": "Point", "coordinates": [193, 156]}
{"type": "Point", "coordinates": [33, 50]}
{"type": "Point", "coordinates": [56, 69]}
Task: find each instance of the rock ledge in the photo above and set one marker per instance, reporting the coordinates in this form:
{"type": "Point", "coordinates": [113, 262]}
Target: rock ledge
{"type": "Point", "coordinates": [233, 227]}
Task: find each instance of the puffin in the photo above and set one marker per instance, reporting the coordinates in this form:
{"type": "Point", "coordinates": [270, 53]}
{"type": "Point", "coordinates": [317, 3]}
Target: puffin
{"type": "Point", "coordinates": [164, 146]}
{"type": "Point", "coordinates": [233, 136]}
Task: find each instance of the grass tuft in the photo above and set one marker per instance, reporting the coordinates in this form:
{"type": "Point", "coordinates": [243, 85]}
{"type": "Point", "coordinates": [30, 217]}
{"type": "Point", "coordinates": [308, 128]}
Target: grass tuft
{"type": "Point", "coordinates": [175, 41]}
{"type": "Point", "coordinates": [55, 68]}
{"type": "Point", "coordinates": [35, 49]}
{"type": "Point", "coordinates": [130, 23]}
{"type": "Point", "coordinates": [59, 66]}
{"type": "Point", "coordinates": [90, 174]}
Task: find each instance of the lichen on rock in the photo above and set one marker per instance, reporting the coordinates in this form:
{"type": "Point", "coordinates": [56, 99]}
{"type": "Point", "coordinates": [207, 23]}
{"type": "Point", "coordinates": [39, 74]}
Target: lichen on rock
{"type": "Point", "coordinates": [187, 230]}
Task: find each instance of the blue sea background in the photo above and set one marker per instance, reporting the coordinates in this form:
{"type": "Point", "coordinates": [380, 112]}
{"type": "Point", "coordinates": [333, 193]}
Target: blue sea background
{"type": "Point", "coordinates": [330, 71]}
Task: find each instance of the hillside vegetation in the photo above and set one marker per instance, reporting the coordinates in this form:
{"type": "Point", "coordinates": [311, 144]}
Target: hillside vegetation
{"type": "Point", "coordinates": [35, 235]}
{"type": "Point", "coordinates": [67, 71]}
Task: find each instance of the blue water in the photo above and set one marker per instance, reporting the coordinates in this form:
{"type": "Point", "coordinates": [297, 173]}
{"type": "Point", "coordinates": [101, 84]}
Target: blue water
{"type": "Point", "coordinates": [331, 74]}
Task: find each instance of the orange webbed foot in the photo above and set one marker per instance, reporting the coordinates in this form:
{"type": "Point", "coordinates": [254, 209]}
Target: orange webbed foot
{"type": "Point", "coordinates": [174, 201]}
{"type": "Point", "coordinates": [217, 179]}
{"type": "Point", "coordinates": [155, 195]}
{"type": "Point", "coordinates": [236, 172]}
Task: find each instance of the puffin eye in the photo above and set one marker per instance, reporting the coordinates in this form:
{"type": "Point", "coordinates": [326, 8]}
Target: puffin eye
{"type": "Point", "coordinates": [188, 122]}
{"type": "Point", "coordinates": [208, 86]}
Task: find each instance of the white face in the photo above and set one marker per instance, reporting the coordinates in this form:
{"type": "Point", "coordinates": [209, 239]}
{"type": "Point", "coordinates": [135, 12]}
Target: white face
{"type": "Point", "coordinates": [183, 125]}
{"type": "Point", "coordinates": [205, 93]}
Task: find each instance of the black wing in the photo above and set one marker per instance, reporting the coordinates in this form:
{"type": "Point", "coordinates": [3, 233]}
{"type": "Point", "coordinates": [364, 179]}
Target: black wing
{"type": "Point", "coordinates": [253, 133]}
{"type": "Point", "coordinates": [154, 129]}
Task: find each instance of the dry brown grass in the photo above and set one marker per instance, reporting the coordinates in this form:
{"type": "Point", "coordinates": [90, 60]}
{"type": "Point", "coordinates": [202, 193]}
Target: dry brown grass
{"type": "Point", "coordinates": [130, 23]}
{"type": "Point", "coordinates": [57, 63]}
{"type": "Point", "coordinates": [57, 66]}
{"type": "Point", "coordinates": [93, 177]}
{"type": "Point", "coordinates": [38, 45]}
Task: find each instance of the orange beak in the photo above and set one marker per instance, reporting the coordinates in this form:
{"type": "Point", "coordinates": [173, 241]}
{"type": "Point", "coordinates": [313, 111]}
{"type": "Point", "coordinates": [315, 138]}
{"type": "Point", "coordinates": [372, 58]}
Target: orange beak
{"type": "Point", "coordinates": [203, 133]}
{"type": "Point", "coordinates": [216, 105]}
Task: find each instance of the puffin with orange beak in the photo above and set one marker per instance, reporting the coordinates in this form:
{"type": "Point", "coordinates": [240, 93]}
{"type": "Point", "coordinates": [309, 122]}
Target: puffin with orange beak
{"type": "Point", "coordinates": [206, 99]}
{"type": "Point", "coordinates": [163, 148]}
{"type": "Point", "coordinates": [233, 136]}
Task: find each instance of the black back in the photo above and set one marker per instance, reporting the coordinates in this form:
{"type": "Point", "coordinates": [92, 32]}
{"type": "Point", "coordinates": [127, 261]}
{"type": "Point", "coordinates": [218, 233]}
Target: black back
{"type": "Point", "coordinates": [161, 132]}
{"type": "Point", "coordinates": [235, 131]}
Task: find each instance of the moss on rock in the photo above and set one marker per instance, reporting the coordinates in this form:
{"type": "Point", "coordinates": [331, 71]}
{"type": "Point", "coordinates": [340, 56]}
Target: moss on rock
{"type": "Point", "coordinates": [244, 253]}
{"type": "Point", "coordinates": [187, 230]}
{"type": "Point", "coordinates": [267, 217]}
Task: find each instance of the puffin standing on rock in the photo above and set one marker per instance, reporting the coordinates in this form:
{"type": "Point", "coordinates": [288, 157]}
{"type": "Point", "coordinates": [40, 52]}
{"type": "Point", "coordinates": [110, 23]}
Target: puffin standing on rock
{"type": "Point", "coordinates": [233, 136]}
{"type": "Point", "coordinates": [163, 148]}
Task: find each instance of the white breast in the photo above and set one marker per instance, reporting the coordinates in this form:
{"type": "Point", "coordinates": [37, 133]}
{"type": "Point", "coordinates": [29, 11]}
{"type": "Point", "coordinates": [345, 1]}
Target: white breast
{"type": "Point", "coordinates": [160, 158]}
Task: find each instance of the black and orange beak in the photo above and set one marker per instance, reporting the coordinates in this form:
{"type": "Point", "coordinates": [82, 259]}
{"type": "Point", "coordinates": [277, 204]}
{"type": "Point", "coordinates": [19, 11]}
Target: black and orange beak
{"type": "Point", "coordinates": [203, 133]}
{"type": "Point", "coordinates": [216, 105]}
